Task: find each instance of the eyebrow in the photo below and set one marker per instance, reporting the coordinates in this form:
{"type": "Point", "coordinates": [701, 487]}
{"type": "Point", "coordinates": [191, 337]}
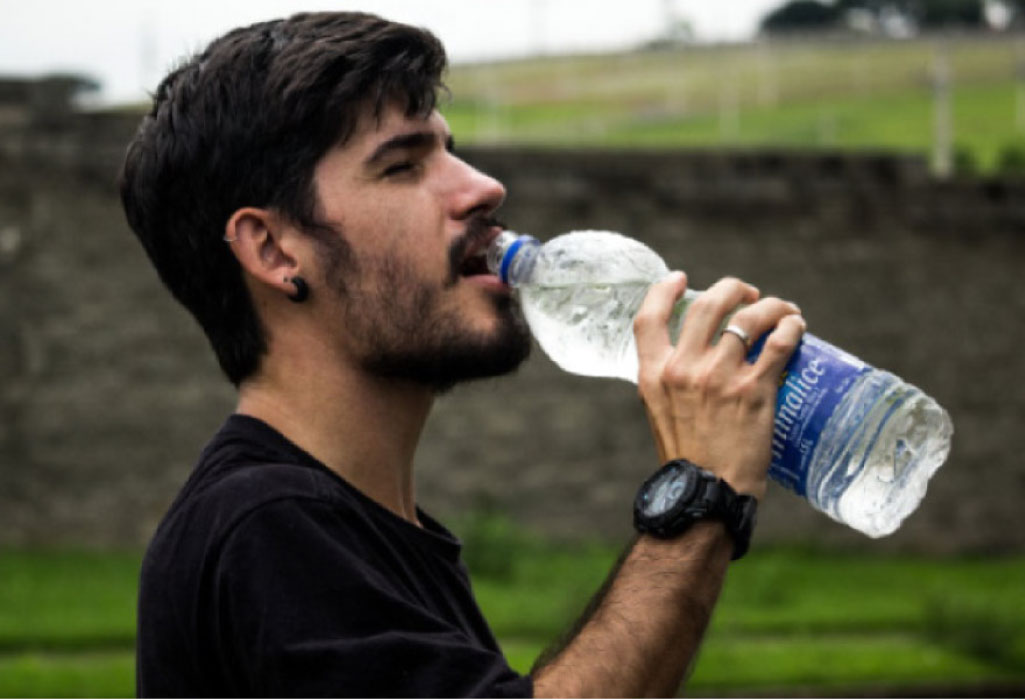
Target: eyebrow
{"type": "Point", "coordinates": [413, 141]}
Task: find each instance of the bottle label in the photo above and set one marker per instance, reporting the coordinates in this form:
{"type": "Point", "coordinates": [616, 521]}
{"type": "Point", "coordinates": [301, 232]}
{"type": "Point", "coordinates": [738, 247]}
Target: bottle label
{"type": "Point", "coordinates": [814, 382]}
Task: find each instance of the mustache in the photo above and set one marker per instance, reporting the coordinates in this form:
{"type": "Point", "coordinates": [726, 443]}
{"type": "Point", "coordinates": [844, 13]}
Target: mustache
{"type": "Point", "coordinates": [477, 229]}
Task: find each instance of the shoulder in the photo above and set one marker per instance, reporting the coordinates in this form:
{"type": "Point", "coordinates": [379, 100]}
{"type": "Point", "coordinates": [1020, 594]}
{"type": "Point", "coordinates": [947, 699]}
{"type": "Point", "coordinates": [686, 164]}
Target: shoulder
{"type": "Point", "coordinates": [252, 485]}
{"type": "Point", "coordinates": [248, 487]}
{"type": "Point", "coordinates": [210, 511]}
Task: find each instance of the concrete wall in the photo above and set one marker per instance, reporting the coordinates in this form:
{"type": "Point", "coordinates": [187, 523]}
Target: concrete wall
{"type": "Point", "coordinates": [108, 390]}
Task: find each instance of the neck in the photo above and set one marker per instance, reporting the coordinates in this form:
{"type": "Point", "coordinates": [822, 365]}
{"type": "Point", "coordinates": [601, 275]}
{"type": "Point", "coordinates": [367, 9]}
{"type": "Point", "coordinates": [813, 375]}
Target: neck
{"type": "Point", "coordinates": [364, 428]}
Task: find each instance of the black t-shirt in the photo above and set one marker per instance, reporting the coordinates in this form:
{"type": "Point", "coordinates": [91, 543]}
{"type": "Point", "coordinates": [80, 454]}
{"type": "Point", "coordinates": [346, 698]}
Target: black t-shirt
{"type": "Point", "coordinates": [270, 575]}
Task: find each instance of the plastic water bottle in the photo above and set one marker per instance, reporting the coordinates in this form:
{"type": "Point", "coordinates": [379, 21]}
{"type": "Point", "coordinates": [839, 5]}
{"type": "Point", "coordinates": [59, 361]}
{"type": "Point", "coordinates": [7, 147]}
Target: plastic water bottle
{"type": "Point", "coordinates": [857, 442]}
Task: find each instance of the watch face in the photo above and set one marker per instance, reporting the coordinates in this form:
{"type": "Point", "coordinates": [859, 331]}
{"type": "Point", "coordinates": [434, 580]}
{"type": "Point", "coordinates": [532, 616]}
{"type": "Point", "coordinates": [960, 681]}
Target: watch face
{"type": "Point", "coordinates": [666, 490]}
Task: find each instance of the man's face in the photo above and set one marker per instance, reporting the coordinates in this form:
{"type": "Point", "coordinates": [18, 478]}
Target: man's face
{"type": "Point", "coordinates": [414, 299]}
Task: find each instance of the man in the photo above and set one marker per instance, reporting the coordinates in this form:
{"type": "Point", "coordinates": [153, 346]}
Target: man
{"type": "Point", "coordinates": [297, 191]}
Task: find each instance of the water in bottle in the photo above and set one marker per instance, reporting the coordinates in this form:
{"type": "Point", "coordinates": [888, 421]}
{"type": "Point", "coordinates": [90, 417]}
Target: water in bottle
{"type": "Point", "coordinates": [858, 442]}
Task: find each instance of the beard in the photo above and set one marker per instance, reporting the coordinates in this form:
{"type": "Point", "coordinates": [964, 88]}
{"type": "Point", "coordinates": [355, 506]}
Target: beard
{"type": "Point", "coordinates": [436, 350]}
{"type": "Point", "coordinates": [406, 332]}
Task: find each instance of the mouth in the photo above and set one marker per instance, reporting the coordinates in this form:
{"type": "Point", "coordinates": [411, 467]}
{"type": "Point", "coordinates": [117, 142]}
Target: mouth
{"type": "Point", "coordinates": [471, 258]}
{"type": "Point", "coordinates": [473, 265]}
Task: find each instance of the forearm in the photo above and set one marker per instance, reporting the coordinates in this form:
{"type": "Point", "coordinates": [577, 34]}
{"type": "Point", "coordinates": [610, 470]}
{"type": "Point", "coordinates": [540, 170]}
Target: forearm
{"type": "Point", "coordinates": [646, 630]}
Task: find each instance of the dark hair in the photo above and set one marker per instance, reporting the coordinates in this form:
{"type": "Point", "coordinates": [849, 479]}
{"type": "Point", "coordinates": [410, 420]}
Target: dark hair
{"type": "Point", "coordinates": [244, 123]}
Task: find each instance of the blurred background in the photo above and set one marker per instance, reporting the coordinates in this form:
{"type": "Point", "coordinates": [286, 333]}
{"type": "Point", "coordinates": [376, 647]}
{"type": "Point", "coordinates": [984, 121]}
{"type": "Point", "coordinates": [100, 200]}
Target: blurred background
{"type": "Point", "coordinates": [865, 158]}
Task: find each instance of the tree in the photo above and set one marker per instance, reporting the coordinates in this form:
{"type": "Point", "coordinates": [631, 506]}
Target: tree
{"type": "Point", "coordinates": [800, 15]}
{"type": "Point", "coordinates": [873, 6]}
{"type": "Point", "coordinates": [928, 14]}
{"type": "Point", "coordinates": [948, 13]}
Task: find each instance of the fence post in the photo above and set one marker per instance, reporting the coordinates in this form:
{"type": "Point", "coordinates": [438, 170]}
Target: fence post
{"type": "Point", "coordinates": [943, 121]}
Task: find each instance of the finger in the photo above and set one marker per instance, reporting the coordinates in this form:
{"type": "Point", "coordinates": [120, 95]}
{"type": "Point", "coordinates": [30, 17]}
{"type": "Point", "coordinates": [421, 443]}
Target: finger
{"type": "Point", "coordinates": [706, 315]}
{"type": "Point", "coordinates": [744, 340]}
{"type": "Point", "coordinates": [651, 330]}
{"type": "Point", "coordinates": [651, 324]}
{"type": "Point", "coordinates": [779, 346]}
{"type": "Point", "coordinates": [755, 321]}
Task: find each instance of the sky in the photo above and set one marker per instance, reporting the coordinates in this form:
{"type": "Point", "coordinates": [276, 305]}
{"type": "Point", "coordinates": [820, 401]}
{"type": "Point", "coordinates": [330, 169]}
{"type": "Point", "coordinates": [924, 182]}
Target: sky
{"type": "Point", "coordinates": [128, 45]}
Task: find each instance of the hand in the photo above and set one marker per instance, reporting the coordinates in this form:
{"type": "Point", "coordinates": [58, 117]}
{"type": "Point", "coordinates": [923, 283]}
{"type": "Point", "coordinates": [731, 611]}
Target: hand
{"type": "Point", "coordinates": [705, 402]}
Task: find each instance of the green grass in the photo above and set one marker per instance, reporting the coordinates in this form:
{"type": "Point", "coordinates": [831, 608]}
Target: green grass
{"type": "Point", "coordinates": [835, 623]}
{"type": "Point", "coordinates": [804, 94]}
{"type": "Point", "coordinates": [67, 600]}
{"type": "Point", "coordinates": [834, 663]}
{"type": "Point", "coordinates": [68, 675]}
{"type": "Point", "coordinates": [983, 115]}
{"type": "Point", "coordinates": [838, 661]}
{"type": "Point", "coordinates": [799, 618]}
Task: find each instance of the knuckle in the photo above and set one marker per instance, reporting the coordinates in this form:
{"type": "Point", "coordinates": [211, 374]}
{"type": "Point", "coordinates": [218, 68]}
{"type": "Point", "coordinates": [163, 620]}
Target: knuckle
{"type": "Point", "coordinates": [781, 307]}
{"type": "Point", "coordinates": [676, 375]}
{"type": "Point", "coordinates": [734, 286]}
{"type": "Point", "coordinates": [707, 381]}
{"type": "Point", "coordinates": [705, 304]}
{"type": "Point", "coordinates": [721, 296]}
{"type": "Point", "coordinates": [701, 302]}
{"type": "Point", "coordinates": [797, 321]}
{"type": "Point", "coordinates": [648, 383]}
{"type": "Point", "coordinates": [778, 343]}
{"type": "Point", "coordinates": [750, 390]}
{"type": "Point", "coordinates": [773, 305]}
{"type": "Point", "coordinates": [643, 320]}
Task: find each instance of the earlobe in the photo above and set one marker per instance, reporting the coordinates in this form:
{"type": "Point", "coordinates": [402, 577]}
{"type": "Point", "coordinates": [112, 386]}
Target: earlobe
{"type": "Point", "coordinates": [302, 290]}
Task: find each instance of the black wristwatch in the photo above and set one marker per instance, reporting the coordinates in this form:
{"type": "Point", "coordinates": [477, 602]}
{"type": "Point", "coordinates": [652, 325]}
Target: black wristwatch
{"type": "Point", "coordinates": [681, 493]}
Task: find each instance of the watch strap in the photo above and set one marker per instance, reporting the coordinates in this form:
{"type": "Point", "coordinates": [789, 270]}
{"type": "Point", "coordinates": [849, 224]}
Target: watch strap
{"type": "Point", "coordinates": [739, 512]}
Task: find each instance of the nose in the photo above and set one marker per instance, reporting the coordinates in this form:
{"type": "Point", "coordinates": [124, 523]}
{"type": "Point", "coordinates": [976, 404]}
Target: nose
{"type": "Point", "coordinates": [475, 192]}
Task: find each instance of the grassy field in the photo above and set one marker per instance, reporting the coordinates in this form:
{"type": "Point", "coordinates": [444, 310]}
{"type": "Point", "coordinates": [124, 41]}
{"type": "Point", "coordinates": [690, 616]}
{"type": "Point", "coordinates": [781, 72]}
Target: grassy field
{"type": "Point", "coordinates": [795, 618]}
{"type": "Point", "coordinates": [841, 94]}
{"type": "Point", "coordinates": [790, 620]}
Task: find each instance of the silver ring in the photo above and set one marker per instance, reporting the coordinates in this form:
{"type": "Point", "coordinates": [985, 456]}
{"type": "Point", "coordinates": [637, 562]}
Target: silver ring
{"type": "Point", "coordinates": [740, 333]}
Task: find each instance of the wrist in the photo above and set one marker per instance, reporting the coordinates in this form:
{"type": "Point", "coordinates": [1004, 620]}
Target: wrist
{"type": "Point", "coordinates": [681, 495]}
{"type": "Point", "coordinates": [707, 539]}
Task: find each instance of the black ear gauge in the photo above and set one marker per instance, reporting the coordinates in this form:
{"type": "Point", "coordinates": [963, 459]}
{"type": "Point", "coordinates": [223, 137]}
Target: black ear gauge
{"type": "Point", "coordinates": [302, 290]}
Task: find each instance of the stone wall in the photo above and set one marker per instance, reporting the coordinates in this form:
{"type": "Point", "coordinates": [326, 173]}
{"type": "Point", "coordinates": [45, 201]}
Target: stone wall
{"type": "Point", "coordinates": [108, 389]}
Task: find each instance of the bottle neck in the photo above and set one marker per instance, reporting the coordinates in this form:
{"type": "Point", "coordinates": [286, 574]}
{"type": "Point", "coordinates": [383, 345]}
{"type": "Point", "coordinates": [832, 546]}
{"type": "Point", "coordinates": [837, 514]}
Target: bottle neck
{"type": "Point", "coordinates": [512, 257]}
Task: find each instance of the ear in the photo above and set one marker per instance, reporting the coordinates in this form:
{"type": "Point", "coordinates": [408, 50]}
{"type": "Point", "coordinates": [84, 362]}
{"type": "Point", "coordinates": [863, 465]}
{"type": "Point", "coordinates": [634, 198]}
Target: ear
{"type": "Point", "coordinates": [265, 246]}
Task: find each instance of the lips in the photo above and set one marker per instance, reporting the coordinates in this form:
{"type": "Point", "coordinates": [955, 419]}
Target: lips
{"type": "Point", "coordinates": [471, 249]}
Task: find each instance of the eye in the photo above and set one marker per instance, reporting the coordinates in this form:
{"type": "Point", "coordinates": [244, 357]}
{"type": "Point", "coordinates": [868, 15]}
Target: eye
{"type": "Point", "coordinates": [400, 168]}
